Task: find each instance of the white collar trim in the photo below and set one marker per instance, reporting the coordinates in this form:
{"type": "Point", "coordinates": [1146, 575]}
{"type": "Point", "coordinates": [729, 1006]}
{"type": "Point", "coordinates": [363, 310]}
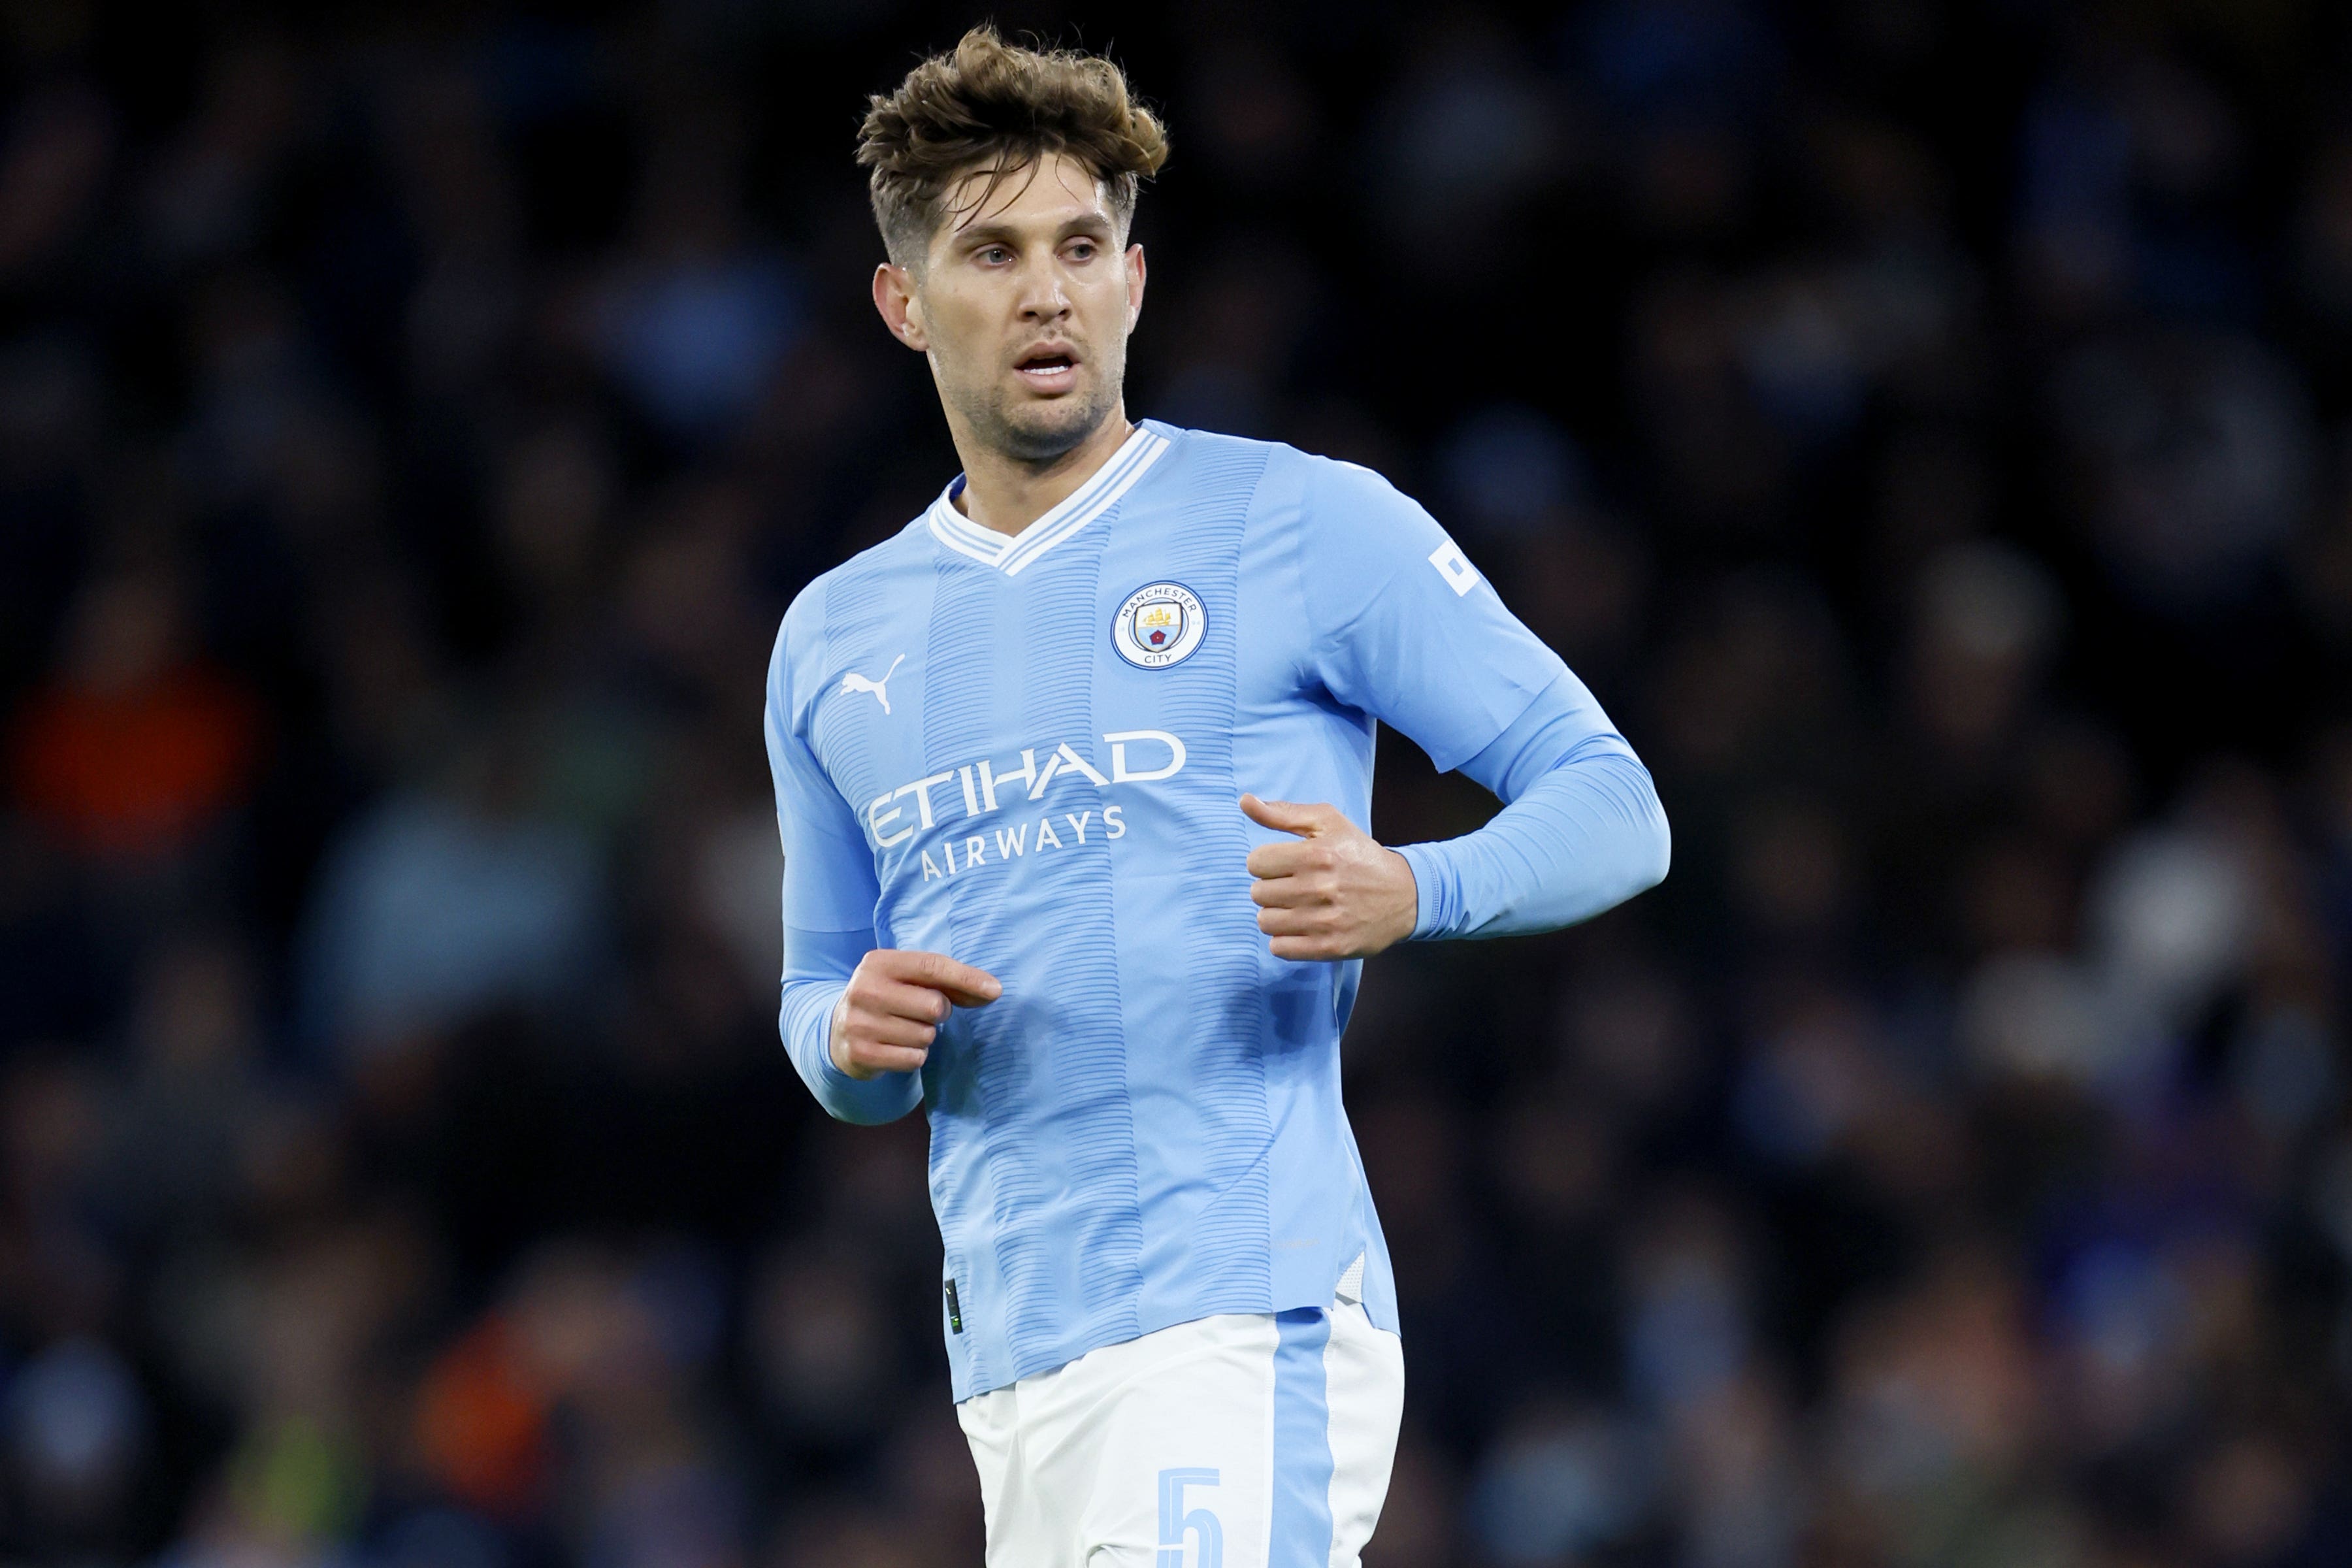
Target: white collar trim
{"type": "Point", "coordinates": [1010, 554]}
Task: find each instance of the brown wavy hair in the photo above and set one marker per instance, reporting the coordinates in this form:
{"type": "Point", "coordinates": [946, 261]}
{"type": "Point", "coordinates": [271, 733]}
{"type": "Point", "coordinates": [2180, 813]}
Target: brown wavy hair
{"type": "Point", "coordinates": [993, 108]}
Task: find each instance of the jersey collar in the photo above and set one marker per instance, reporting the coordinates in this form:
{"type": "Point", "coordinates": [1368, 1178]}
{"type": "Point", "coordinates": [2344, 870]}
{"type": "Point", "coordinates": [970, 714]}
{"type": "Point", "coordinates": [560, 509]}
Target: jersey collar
{"type": "Point", "coordinates": [1009, 554]}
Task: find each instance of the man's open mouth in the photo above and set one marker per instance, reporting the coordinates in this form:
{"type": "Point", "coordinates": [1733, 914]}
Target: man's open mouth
{"type": "Point", "coordinates": [1047, 364]}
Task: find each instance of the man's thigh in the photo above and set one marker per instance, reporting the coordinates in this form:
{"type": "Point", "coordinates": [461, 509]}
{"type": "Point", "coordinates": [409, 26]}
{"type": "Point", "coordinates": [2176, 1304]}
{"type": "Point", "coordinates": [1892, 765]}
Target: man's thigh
{"type": "Point", "coordinates": [990, 1425]}
{"type": "Point", "coordinates": [1364, 1367]}
{"type": "Point", "coordinates": [1245, 1441]}
{"type": "Point", "coordinates": [1182, 1469]}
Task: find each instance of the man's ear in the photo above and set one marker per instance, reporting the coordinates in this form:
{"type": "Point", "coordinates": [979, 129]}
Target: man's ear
{"type": "Point", "coordinates": [901, 307]}
{"type": "Point", "coordinates": [1134, 259]}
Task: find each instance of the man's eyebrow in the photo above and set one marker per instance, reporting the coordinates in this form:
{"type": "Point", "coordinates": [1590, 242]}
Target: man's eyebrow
{"type": "Point", "coordinates": [997, 232]}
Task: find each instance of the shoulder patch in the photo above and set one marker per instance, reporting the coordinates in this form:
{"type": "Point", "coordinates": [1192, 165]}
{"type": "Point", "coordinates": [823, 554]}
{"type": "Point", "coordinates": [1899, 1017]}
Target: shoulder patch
{"type": "Point", "coordinates": [1455, 567]}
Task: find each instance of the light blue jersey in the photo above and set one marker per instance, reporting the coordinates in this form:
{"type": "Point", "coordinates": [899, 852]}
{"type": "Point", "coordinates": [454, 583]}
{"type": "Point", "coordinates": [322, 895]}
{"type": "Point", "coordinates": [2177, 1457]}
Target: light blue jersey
{"type": "Point", "coordinates": [1025, 753]}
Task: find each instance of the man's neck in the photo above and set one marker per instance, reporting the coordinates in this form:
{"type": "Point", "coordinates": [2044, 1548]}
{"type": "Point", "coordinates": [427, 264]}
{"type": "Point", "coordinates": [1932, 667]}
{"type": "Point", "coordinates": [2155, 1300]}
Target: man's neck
{"type": "Point", "coordinates": [1005, 494]}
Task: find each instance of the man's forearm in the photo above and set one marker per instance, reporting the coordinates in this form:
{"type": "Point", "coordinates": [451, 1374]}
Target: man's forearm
{"type": "Point", "coordinates": [1583, 831]}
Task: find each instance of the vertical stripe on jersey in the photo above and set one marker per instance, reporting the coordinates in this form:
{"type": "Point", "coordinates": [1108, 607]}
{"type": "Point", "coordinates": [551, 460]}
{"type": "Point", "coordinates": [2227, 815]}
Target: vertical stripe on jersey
{"type": "Point", "coordinates": [959, 686]}
{"type": "Point", "coordinates": [1299, 1514]}
{"type": "Point", "coordinates": [1225, 1024]}
{"type": "Point", "coordinates": [1059, 1150]}
{"type": "Point", "coordinates": [1091, 1112]}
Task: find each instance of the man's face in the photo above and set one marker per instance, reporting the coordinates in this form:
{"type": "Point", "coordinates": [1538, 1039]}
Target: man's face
{"type": "Point", "coordinates": [1023, 307]}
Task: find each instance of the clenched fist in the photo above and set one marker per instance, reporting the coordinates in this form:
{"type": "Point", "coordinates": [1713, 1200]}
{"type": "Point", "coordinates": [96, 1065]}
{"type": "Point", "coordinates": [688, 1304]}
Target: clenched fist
{"type": "Point", "coordinates": [1336, 893]}
{"type": "Point", "coordinates": [897, 1001]}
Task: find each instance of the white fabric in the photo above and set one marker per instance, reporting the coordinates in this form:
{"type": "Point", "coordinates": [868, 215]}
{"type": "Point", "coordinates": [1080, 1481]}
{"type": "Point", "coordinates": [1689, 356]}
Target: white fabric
{"type": "Point", "coordinates": [1010, 553]}
{"type": "Point", "coordinates": [1106, 1462]}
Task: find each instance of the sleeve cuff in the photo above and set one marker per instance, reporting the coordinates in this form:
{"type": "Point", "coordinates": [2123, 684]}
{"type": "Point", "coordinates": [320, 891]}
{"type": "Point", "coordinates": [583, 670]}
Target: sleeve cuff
{"type": "Point", "coordinates": [807, 1028]}
{"type": "Point", "coordinates": [1431, 880]}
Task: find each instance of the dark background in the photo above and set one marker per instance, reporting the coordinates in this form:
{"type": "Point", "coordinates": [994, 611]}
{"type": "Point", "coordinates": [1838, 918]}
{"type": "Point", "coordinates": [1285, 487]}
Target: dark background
{"type": "Point", "coordinates": [1924, 425]}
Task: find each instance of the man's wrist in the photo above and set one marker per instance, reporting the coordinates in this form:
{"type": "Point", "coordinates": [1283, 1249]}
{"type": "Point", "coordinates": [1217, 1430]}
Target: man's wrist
{"type": "Point", "coordinates": [1412, 902]}
{"type": "Point", "coordinates": [1428, 867]}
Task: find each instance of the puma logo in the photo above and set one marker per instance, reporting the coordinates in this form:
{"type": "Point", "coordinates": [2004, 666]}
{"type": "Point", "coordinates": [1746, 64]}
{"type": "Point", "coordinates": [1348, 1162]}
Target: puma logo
{"type": "Point", "coordinates": [854, 681]}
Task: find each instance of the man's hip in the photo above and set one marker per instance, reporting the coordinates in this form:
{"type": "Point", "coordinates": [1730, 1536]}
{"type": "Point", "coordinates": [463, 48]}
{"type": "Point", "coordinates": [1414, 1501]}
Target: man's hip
{"type": "Point", "coordinates": [1246, 1440]}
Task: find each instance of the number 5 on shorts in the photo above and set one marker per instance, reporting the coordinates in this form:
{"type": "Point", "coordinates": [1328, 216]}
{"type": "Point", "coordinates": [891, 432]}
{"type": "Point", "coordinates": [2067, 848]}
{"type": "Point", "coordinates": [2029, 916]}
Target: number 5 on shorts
{"type": "Point", "coordinates": [1174, 1521]}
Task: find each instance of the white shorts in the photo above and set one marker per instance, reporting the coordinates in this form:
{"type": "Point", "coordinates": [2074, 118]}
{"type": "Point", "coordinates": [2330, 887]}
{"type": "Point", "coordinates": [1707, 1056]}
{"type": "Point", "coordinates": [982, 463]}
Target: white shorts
{"type": "Point", "coordinates": [1251, 1440]}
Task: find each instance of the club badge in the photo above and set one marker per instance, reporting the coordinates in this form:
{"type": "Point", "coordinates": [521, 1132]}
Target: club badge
{"type": "Point", "coordinates": [1160, 624]}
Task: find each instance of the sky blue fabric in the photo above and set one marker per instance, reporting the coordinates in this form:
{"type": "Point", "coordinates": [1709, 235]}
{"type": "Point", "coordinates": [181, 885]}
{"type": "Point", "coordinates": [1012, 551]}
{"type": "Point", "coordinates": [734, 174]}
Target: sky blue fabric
{"type": "Point", "coordinates": [1299, 1524]}
{"type": "Point", "coordinates": [972, 758]}
{"type": "Point", "coordinates": [1583, 831]}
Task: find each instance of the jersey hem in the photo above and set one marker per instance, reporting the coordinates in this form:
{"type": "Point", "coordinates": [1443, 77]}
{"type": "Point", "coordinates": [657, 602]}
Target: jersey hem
{"type": "Point", "coordinates": [1213, 1307]}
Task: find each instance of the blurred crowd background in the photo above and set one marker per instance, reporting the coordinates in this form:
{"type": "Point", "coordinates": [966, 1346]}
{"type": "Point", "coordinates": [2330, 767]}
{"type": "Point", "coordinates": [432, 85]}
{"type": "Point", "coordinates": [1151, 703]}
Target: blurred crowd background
{"type": "Point", "coordinates": [1926, 424]}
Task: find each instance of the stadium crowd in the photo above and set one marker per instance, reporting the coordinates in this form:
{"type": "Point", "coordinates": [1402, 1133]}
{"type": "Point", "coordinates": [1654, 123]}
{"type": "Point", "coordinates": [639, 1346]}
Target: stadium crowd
{"type": "Point", "coordinates": [1927, 427]}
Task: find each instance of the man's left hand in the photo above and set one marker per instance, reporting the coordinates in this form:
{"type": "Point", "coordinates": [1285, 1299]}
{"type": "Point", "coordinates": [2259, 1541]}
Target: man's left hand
{"type": "Point", "coordinates": [1336, 893]}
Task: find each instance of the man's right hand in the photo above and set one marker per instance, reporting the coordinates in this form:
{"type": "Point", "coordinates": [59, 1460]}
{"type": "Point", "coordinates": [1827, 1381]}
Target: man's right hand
{"type": "Point", "coordinates": [897, 1001]}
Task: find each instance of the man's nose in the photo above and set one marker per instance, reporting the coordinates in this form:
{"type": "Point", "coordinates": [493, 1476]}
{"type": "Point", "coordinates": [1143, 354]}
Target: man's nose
{"type": "Point", "coordinates": [1043, 298]}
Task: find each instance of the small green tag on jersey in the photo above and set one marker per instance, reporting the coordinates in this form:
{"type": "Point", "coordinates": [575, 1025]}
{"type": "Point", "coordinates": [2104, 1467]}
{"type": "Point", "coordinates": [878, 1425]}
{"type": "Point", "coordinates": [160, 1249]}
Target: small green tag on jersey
{"type": "Point", "coordinates": [955, 1310]}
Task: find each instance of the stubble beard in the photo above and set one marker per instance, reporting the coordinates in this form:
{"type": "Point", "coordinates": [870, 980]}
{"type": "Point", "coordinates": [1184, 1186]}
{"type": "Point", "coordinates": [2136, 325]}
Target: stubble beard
{"type": "Point", "coordinates": [1039, 432]}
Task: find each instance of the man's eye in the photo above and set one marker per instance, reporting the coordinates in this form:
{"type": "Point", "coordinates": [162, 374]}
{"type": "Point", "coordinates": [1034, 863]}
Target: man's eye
{"type": "Point", "coordinates": [995, 254]}
{"type": "Point", "coordinates": [1083, 251]}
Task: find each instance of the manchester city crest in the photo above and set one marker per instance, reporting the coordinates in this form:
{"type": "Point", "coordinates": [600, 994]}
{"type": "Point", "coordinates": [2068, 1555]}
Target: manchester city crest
{"type": "Point", "coordinates": [1160, 624]}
